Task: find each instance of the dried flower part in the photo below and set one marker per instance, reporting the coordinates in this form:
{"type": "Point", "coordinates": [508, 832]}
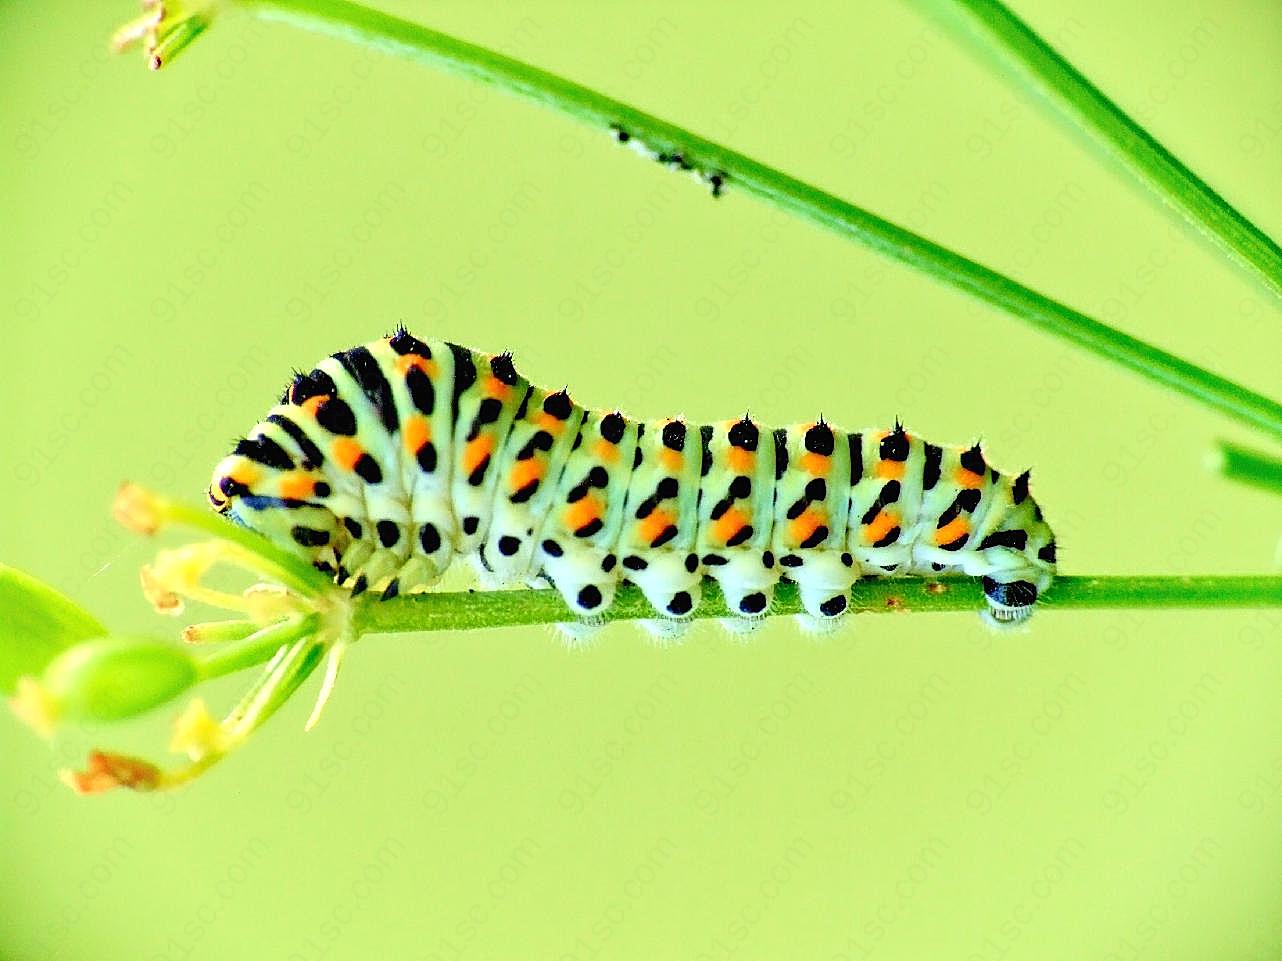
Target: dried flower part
{"type": "Point", "coordinates": [105, 771]}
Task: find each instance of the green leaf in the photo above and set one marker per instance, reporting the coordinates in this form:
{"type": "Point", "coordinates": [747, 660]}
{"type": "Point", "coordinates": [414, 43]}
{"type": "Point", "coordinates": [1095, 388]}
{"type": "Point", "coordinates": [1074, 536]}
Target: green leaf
{"type": "Point", "coordinates": [36, 624]}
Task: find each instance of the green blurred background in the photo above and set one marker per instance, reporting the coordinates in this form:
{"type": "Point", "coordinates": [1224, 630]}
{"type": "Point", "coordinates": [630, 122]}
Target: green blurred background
{"type": "Point", "coordinates": [1108, 785]}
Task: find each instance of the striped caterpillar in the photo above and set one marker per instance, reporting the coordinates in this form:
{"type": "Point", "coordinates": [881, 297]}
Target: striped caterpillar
{"type": "Point", "coordinates": [388, 461]}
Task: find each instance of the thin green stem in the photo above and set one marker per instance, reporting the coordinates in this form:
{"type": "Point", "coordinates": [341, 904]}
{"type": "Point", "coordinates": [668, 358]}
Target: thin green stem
{"type": "Point", "coordinates": [358, 24]}
{"type": "Point", "coordinates": [257, 648]}
{"type": "Point", "coordinates": [1249, 467]}
{"type": "Point", "coordinates": [1055, 78]}
{"type": "Point", "coordinates": [466, 610]}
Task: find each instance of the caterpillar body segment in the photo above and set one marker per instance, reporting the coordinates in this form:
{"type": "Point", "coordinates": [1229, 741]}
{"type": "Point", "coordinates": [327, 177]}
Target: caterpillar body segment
{"type": "Point", "coordinates": [386, 463]}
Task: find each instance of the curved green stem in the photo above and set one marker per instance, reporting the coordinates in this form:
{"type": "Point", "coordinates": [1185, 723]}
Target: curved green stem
{"type": "Point", "coordinates": [1057, 79]}
{"type": "Point", "coordinates": [355, 23]}
{"type": "Point", "coordinates": [470, 610]}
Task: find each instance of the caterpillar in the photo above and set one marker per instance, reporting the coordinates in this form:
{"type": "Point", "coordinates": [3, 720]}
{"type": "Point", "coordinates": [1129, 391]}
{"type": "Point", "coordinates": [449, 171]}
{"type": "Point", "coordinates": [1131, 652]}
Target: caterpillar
{"type": "Point", "coordinates": [385, 463]}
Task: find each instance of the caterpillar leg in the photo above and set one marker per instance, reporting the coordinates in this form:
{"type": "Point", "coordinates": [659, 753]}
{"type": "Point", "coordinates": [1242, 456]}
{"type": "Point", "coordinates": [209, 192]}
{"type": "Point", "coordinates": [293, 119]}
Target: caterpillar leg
{"type": "Point", "coordinates": [673, 590]}
{"type": "Point", "coordinates": [823, 582]}
{"type": "Point", "coordinates": [578, 634]}
{"type": "Point", "coordinates": [665, 630]}
{"type": "Point", "coordinates": [817, 626]}
{"type": "Point", "coordinates": [741, 627]}
{"type": "Point", "coordinates": [1011, 595]}
{"type": "Point", "coordinates": [586, 578]}
{"type": "Point", "coordinates": [747, 585]}
{"type": "Point", "coordinates": [365, 566]}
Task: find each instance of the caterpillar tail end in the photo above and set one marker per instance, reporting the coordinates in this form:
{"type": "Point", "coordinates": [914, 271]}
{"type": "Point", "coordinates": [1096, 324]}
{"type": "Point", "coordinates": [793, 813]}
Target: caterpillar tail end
{"type": "Point", "coordinates": [1011, 600]}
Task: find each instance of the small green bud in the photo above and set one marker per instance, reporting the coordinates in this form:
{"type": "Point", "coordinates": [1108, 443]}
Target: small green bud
{"type": "Point", "coordinates": [117, 677]}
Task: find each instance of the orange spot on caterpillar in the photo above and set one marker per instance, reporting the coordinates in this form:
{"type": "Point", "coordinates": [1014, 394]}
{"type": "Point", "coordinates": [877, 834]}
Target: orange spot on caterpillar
{"type": "Point", "coordinates": [297, 486]}
{"type": "Point", "coordinates": [881, 525]}
{"type": "Point", "coordinates": [312, 404]}
{"type": "Point", "coordinates": [475, 451]}
{"type": "Point", "coordinates": [245, 474]}
{"type": "Point", "coordinates": [816, 465]}
{"type": "Point", "coordinates": [524, 471]}
{"type": "Point", "coordinates": [741, 461]}
{"type": "Point", "coordinates": [496, 388]}
{"type": "Point", "coordinates": [890, 469]}
{"type": "Point", "coordinates": [964, 478]}
{"type": "Point", "coordinates": [405, 362]}
{"type": "Point", "coordinates": [671, 459]}
{"type": "Point", "coordinates": [957, 527]}
{"type": "Point", "coordinates": [549, 423]}
{"type": "Point", "coordinates": [415, 432]}
{"type": "Point", "coordinates": [728, 524]}
{"type": "Point", "coordinates": [606, 452]}
{"type": "Point", "coordinates": [347, 451]}
{"type": "Point", "coordinates": [802, 527]}
{"type": "Point", "coordinates": [655, 524]}
{"type": "Point", "coordinates": [582, 512]}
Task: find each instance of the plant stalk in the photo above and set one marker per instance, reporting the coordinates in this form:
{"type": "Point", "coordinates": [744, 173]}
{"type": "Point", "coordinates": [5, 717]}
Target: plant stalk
{"type": "Point", "coordinates": [1057, 80]}
{"type": "Point", "coordinates": [1249, 467]}
{"type": "Point", "coordinates": [472, 610]}
{"type": "Point", "coordinates": [359, 24]}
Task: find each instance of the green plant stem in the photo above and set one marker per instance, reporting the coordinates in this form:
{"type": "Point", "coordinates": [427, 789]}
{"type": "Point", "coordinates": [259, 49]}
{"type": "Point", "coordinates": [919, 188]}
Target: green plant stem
{"type": "Point", "coordinates": [358, 24]}
{"type": "Point", "coordinates": [1057, 79]}
{"type": "Point", "coordinates": [1249, 467]}
{"type": "Point", "coordinates": [467, 610]}
{"type": "Point", "coordinates": [257, 648]}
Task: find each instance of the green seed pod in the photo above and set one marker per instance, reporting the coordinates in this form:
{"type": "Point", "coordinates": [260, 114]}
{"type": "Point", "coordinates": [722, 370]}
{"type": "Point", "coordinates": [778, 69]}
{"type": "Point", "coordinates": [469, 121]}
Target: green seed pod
{"type": "Point", "coordinates": [117, 677]}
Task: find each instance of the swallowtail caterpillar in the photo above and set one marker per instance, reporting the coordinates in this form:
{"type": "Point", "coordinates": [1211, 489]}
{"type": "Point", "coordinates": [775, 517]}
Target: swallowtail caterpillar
{"type": "Point", "coordinates": [386, 463]}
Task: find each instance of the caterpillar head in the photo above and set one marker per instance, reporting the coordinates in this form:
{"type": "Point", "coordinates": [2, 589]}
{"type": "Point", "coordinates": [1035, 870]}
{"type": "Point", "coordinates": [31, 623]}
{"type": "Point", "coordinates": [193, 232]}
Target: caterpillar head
{"type": "Point", "coordinates": [224, 487]}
